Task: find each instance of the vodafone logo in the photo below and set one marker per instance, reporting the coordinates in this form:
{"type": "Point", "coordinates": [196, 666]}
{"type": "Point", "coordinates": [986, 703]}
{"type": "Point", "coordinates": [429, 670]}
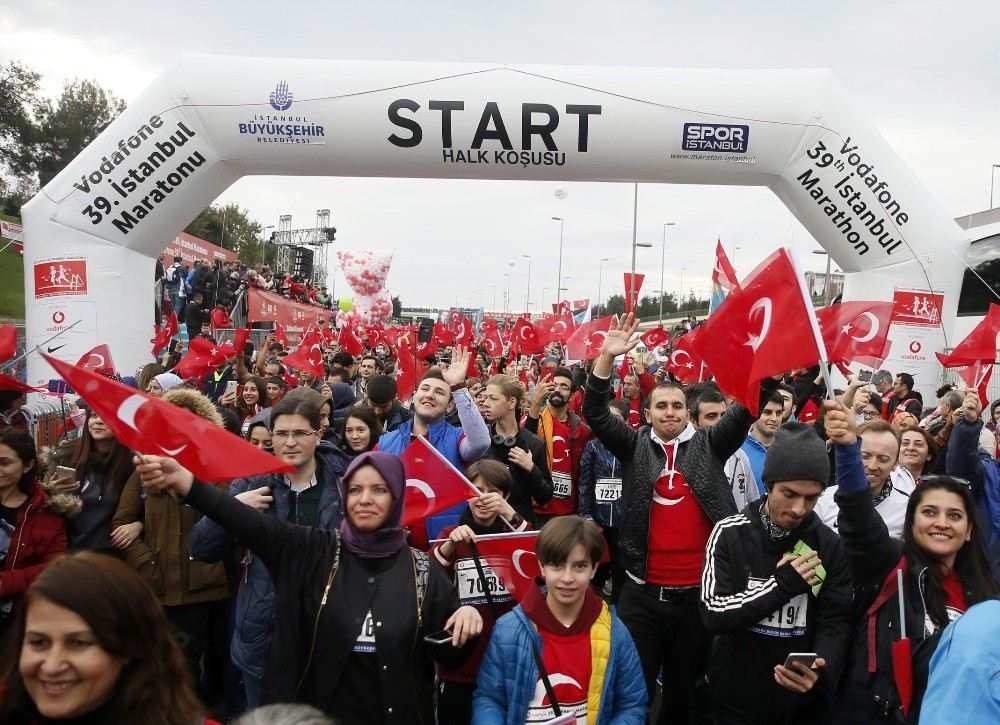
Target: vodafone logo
{"type": "Point", "coordinates": [915, 347]}
{"type": "Point", "coordinates": [58, 317]}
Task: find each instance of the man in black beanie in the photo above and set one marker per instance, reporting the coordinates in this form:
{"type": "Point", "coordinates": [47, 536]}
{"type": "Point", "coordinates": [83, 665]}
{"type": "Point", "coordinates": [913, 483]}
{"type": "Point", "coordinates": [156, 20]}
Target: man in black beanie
{"type": "Point", "coordinates": [776, 582]}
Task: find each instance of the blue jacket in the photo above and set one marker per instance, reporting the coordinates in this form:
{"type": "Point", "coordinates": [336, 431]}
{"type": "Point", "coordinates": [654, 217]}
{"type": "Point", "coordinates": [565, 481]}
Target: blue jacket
{"type": "Point", "coordinates": [963, 683]}
{"type": "Point", "coordinates": [508, 675]}
{"type": "Point", "coordinates": [596, 463]}
{"type": "Point", "coordinates": [255, 600]}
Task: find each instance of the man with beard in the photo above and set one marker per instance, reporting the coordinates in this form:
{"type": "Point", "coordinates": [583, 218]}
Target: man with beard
{"type": "Point", "coordinates": [565, 436]}
{"type": "Point", "coordinates": [674, 489]}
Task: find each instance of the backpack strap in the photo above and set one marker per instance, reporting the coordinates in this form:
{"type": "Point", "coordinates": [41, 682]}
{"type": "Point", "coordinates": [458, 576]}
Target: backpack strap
{"type": "Point", "coordinates": [887, 591]}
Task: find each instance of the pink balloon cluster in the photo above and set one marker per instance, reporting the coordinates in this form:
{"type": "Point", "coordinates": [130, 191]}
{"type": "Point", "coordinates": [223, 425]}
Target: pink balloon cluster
{"type": "Point", "coordinates": [366, 272]}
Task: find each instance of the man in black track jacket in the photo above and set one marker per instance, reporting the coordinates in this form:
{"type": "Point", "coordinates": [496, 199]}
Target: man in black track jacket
{"type": "Point", "coordinates": [776, 582]}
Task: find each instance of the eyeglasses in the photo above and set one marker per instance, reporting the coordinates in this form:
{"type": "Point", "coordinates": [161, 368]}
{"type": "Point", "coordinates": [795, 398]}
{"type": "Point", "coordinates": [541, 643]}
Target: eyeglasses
{"type": "Point", "coordinates": [295, 435]}
{"type": "Point", "coordinates": [869, 414]}
{"type": "Point", "coordinates": [950, 479]}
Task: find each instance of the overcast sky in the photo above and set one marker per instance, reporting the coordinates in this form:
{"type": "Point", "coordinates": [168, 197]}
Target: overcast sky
{"type": "Point", "coordinates": [924, 72]}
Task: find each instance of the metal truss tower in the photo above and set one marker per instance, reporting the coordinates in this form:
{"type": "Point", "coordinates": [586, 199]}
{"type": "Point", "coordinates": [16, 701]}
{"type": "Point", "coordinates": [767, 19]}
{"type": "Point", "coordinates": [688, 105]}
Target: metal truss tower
{"type": "Point", "coordinates": [319, 238]}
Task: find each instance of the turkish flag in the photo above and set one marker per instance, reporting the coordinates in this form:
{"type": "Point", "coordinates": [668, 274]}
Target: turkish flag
{"type": "Point", "coordinates": [308, 356]}
{"type": "Point", "coordinates": [97, 359]}
{"type": "Point", "coordinates": [9, 383]}
{"type": "Point", "coordinates": [684, 362]}
{"type": "Point", "coordinates": [279, 335]}
{"type": "Point", "coordinates": [586, 341]}
{"type": "Point", "coordinates": [149, 425]}
{"type": "Point", "coordinates": [462, 327]}
{"type": "Point", "coordinates": [654, 338]}
{"type": "Point", "coordinates": [487, 324]}
{"type": "Point", "coordinates": [763, 328]}
{"type": "Point", "coordinates": [979, 345]}
{"type": "Point", "coordinates": [349, 341]}
{"type": "Point", "coordinates": [525, 338]}
{"type": "Point", "coordinates": [851, 329]}
{"type": "Point", "coordinates": [492, 342]}
{"type": "Point", "coordinates": [562, 308]}
{"type": "Point", "coordinates": [202, 357]}
{"type": "Point", "coordinates": [165, 334]}
{"type": "Point", "coordinates": [406, 372]}
{"type": "Point", "coordinates": [8, 342]}
{"type": "Point", "coordinates": [978, 377]}
{"type": "Point", "coordinates": [240, 339]}
{"type": "Point", "coordinates": [633, 283]}
{"type": "Point", "coordinates": [512, 558]}
{"type": "Point", "coordinates": [432, 482]}
{"type": "Point", "coordinates": [555, 328]}
{"type": "Point", "coordinates": [443, 335]}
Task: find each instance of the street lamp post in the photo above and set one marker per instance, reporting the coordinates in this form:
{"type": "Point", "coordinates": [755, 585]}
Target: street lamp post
{"type": "Point", "coordinates": [663, 259]}
{"type": "Point", "coordinates": [826, 278]}
{"type": "Point", "coordinates": [680, 295]}
{"type": "Point", "coordinates": [600, 271]}
{"type": "Point", "coordinates": [506, 295]}
{"type": "Point", "coordinates": [993, 173]}
{"type": "Point", "coordinates": [735, 250]}
{"type": "Point", "coordinates": [494, 288]}
{"type": "Point", "coordinates": [527, 296]}
{"type": "Point", "coordinates": [559, 272]}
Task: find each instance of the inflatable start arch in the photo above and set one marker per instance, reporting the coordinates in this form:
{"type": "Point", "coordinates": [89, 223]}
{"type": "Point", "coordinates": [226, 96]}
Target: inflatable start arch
{"type": "Point", "coordinates": [92, 233]}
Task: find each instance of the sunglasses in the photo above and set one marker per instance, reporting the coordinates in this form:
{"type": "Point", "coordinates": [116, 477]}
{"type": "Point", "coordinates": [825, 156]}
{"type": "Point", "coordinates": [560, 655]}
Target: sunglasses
{"type": "Point", "coordinates": [951, 479]}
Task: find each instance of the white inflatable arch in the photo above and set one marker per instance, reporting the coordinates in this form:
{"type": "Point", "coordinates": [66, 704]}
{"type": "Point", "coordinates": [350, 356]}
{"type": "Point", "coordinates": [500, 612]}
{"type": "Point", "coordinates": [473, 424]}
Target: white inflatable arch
{"type": "Point", "coordinates": [92, 233]}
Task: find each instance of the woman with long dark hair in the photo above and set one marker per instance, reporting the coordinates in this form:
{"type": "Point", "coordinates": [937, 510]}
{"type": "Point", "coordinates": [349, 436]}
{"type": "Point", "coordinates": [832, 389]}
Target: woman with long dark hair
{"type": "Point", "coordinates": [359, 431]}
{"type": "Point", "coordinates": [92, 645]}
{"type": "Point", "coordinates": [943, 567]}
{"type": "Point", "coordinates": [253, 400]}
{"type": "Point", "coordinates": [102, 466]}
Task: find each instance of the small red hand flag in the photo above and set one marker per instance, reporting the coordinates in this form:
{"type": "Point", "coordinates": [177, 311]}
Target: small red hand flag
{"type": "Point", "coordinates": [280, 335]}
{"type": "Point", "coordinates": [587, 339]}
{"type": "Point", "coordinates": [98, 359]}
{"type": "Point", "coordinates": [512, 558]}
{"type": "Point", "coordinates": [240, 338]}
{"type": "Point", "coordinates": [202, 357]}
{"type": "Point", "coordinates": [492, 342]}
{"type": "Point", "coordinates": [979, 345]}
{"type": "Point", "coordinates": [761, 329]}
{"type": "Point", "coordinates": [308, 356]}
{"type": "Point", "coordinates": [462, 327]}
{"type": "Point", "coordinates": [349, 341]}
{"type": "Point", "coordinates": [852, 329]}
{"type": "Point", "coordinates": [149, 425]}
{"type": "Point", "coordinates": [432, 482]}
{"type": "Point", "coordinates": [684, 362]}
{"type": "Point", "coordinates": [555, 328]}
{"type": "Point", "coordinates": [633, 283]}
{"type": "Point", "coordinates": [8, 342]}
{"type": "Point", "coordinates": [524, 338]}
{"type": "Point", "coordinates": [654, 338]}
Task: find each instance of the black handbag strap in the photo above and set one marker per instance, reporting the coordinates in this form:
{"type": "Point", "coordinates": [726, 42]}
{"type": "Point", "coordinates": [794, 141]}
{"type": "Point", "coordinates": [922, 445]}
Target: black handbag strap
{"type": "Point", "coordinates": [534, 648]}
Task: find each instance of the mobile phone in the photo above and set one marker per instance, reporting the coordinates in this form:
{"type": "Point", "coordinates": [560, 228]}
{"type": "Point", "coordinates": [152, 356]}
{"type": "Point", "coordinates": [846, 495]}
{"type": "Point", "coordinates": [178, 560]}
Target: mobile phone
{"type": "Point", "coordinates": [806, 658]}
{"type": "Point", "coordinates": [865, 376]}
{"type": "Point", "coordinates": [231, 387]}
{"type": "Point", "coordinates": [442, 636]}
{"type": "Point", "coordinates": [66, 471]}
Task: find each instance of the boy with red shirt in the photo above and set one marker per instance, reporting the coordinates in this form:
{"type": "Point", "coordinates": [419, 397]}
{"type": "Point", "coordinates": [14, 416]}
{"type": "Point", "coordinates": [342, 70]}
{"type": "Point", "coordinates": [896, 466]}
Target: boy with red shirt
{"type": "Point", "coordinates": [674, 489]}
{"type": "Point", "coordinates": [565, 436]}
{"type": "Point", "coordinates": [485, 515]}
{"type": "Point", "coordinates": [589, 665]}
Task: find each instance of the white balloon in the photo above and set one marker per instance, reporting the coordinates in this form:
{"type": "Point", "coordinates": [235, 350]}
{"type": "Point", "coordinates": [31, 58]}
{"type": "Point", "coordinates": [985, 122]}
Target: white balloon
{"type": "Point", "coordinates": [561, 193]}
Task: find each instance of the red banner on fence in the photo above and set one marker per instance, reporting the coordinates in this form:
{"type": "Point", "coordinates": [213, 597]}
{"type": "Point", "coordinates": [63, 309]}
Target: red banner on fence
{"type": "Point", "coordinates": [295, 317]}
{"type": "Point", "coordinates": [189, 248]}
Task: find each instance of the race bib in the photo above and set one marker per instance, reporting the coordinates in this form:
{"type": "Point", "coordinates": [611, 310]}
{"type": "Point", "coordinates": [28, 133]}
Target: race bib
{"type": "Point", "coordinates": [562, 485]}
{"type": "Point", "coordinates": [608, 490]}
{"type": "Point", "coordinates": [366, 638]}
{"type": "Point", "coordinates": [470, 586]}
{"type": "Point", "coordinates": [789, 620]}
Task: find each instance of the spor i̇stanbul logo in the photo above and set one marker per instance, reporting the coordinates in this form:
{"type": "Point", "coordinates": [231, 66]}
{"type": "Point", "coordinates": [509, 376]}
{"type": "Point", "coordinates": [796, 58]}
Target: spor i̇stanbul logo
{"type": "Point", "coordinates": [281, 97]}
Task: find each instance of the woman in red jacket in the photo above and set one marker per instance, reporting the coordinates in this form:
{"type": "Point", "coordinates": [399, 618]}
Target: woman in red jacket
{"type": "Point", "coordinates": [32, 527]}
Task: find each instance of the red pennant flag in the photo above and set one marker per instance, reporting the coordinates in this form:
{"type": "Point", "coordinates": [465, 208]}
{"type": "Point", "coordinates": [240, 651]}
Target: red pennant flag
{"type": "Point", "coordinates": [525, 338]}
{"type": "Point", "coordinates": [349, 341]}
{"type": "Point", "coordinates": [684, 363]}
{"type": "Point", "coordinates": [979, 345]}
{"type": "Point", "coordinates": [512, 558]}
{"type": "Point", "coordinates": [432, 482]}
{"type": "Point", "coordinates": [98, 359]}
{"type": "Point", "coordinates": [655, 338]}
{"type": "Point", "coordinates": [851, 329]}
{"type": "Point", "coordinates": [308, 356]}
{"type": "Point", "coordinates": [240, 339]}
{"type": "Point", "coordinates": [202, 357]}
{"type": "Point", "coordinates": [492, 342]}
{"type": "Point", "coordinates": [8, 342]}
{"type": "Point", "coordinates": [279, 335]}
{"type": "Point", "coordinates": [555, 328]}
{"type": "Point", "coordinates": [149, 425]}
{"type": "Point", "coordinates": [9, 383]}
{"type": "Point", "coordinates": [586, 341]}
{"type": "Point", "coordinates": [761, 329]}
{"type": "Point", "coordinates": [633, 283]}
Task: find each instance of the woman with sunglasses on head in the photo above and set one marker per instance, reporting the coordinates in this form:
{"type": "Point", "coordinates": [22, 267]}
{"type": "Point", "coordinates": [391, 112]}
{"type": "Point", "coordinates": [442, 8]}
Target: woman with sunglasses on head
{"type": "Point", "coordinates": [520, 450]}
{"type": "Point", "coordinates": [944, 572]}
{"type": "Point", "coordinates": [357, 601]}
{"type": "Point", "coordinates": [101, 467]}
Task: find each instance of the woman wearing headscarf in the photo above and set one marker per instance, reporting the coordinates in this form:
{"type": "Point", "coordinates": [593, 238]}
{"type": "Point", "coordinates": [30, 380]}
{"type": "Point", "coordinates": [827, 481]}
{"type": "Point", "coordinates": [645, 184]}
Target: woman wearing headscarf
{"type": "Point", "coordinates": [162, 383]}
{"type": "Point", "coordinates": [358, 601]}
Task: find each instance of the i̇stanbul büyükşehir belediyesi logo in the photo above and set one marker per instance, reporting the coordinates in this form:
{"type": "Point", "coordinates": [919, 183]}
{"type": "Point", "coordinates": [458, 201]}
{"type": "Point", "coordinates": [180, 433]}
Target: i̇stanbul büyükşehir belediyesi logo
{"type": "Point", "coordinates": [280, 128]}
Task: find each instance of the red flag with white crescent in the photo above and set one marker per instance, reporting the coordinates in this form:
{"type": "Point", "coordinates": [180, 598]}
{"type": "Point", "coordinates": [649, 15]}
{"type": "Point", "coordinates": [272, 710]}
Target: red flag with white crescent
{"type": "Point", "coordinates": [979, 345]}
{"type": "Point", "coordinates": [8, 342]}
{"type": "Point", "coordinates": [349, 341]}
{"type": "Point", "coordinates": [432, 482]}
{"type": "Point", "coordinates": [280, 335]}
{"type": "Point", "coordinates": [150, 425]}
{"type": "Point", "coordinates": [308, 356]}
{"type": "Point", "coordinates": [98, 359]}
{"type": "Point", "coordinates": [555, 328]}
{"type": "Point", "coordinates": [524, 338]}
{"type": "Point", "coordinates": [492, 343]}
{"type": "Point", "coordinates": [684, 363]}
{"type": "Point", "coordinates": [587, 339]}
{"type": "Point", "coordinates": [512, 558]}
{"type": "Point", "coordinates": [852, 329]}
{"type": "Point", "coordinates": [654, 338]}
{"type": "Point", "coordinates": [202, 357]}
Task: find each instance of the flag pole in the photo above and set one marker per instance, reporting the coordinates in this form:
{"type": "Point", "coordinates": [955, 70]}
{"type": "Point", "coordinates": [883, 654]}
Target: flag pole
{"type": "Point", "coordinates": [11, 363]}
{"type": "Point", "coordinates": [817, 335]}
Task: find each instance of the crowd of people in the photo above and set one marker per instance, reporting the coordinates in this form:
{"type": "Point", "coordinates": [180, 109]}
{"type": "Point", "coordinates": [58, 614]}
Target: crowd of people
{"type": "Point", "coordinates": [700, 562]}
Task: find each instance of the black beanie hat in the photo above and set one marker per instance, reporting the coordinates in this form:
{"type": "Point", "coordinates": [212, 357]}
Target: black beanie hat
{"type": "Point", "coordinates": [797, 454]}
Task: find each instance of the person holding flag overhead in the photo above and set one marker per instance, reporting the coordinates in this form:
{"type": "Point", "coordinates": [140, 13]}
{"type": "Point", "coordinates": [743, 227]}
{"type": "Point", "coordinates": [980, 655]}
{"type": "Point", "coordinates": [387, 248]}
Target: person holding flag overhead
{"type": "Point", "coordinates": [942, 566]}
{"type": "Point", "coordinates": [357, 602]}
{"type": "Point", "coordinates": [674, 488]}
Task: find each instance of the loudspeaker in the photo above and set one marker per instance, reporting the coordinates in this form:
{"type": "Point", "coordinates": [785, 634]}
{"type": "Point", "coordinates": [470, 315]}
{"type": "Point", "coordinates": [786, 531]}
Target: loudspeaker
{"type": "Point", "coordinates": [425, 333]}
